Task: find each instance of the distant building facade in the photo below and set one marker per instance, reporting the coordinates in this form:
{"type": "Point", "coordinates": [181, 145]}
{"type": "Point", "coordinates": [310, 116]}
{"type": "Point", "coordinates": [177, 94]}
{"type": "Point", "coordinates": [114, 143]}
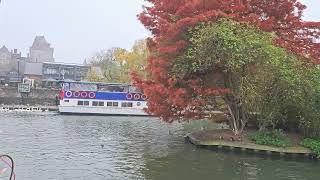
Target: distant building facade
{"type": "Point", "coordinates": [5, 57]}
{"type": "Point", "coordinates": [11, 65]}
{"type": "Point", "coordinates": [40, 51]}
{"type": "Point", "coordinates": [64, 71]}
{"type": "Point", "coordinates": [49, 74]}
{"type": "Point", "coordinates": [33, 71]}
{"type": "Point", "coordinates": [39, 66]}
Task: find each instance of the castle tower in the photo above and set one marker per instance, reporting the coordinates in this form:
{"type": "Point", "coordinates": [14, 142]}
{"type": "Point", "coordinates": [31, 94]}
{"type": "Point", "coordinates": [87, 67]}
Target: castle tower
{"type": "Point", "coordinates": [40, 51]}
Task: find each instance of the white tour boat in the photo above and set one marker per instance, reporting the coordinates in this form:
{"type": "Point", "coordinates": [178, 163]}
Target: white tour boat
{"type": "Point", "coordinates": [101, 99]}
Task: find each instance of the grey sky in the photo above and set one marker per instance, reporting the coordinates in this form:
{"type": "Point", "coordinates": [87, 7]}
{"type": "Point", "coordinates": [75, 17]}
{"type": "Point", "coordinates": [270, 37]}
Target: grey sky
{"type": "Point", "coordinates": [78, 28]}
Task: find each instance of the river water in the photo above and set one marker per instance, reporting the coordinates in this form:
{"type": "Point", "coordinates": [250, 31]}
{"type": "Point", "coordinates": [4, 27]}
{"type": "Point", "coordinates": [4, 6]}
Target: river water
{"type": "Point", "coordinates": [51, 146]}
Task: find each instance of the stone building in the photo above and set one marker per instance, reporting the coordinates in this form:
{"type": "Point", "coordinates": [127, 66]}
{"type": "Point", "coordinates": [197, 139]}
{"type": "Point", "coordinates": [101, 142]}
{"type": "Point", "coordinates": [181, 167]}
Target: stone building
{"type": "Point", "coordinates": [11, 65]}
{"type": "Point", "coordinates": [39, 66]}
{"type": "Point", "coordinates": [5, 61]}
{"type": "Point", "coordinates": [40, 51]}
{"type": "Point", "coordinates": [5, 56]}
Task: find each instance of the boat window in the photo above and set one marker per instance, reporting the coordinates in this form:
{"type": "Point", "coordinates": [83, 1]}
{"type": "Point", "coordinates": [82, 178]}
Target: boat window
{"type": "Point", "coordinates": [80, 103]}
{"type": "Point", "coordinates": [86, 103]}
{"type": "Point", "coordinates": [109, 103]}
{"type": "Point", "coordinates": [126, 104]}
{"type": "Point", "coordinates": [115, 104]}
{"type": "Point", "coordinates": [97, 103]}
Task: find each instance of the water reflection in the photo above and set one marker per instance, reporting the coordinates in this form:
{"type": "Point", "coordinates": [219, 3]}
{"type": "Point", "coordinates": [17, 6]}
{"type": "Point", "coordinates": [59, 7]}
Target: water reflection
{"type": "Point", "coordinates": [81, 147]}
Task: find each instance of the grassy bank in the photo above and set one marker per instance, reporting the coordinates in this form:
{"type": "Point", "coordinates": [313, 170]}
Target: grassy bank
{"type": "Point", "coordinates": [275, 141]}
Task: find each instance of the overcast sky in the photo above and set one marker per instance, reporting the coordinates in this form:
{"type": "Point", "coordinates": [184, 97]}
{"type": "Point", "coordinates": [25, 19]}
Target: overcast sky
{"type": "Point", "coordinates": [78, 28]}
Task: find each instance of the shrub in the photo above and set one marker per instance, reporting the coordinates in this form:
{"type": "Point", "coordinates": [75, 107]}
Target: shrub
{"type": "Point", "coordinates": [274, 138]}
{"type": "Point", "coordinates": [310, 124]}
{"type": "Point", "coordinates": [313, 144]}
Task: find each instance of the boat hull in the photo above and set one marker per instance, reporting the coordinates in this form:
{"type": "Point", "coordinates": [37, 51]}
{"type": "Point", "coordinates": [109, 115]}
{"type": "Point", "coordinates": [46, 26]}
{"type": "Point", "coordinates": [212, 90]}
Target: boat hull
{"type": "Point", "coordinates": [102, 111]}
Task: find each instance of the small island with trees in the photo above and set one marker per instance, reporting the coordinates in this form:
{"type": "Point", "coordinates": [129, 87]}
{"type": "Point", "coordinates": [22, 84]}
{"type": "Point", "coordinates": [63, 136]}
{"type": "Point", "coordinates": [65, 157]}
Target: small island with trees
{"type": "Point", "coordinates": [255, 61]}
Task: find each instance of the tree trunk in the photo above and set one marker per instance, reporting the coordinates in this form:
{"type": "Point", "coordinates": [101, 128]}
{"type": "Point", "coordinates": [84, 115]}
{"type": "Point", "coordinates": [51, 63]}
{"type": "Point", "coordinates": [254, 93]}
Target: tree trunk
{"type": "Point", "coordinates": [238, 117]}
{"type": "Point", "coordinates": [236, 109]}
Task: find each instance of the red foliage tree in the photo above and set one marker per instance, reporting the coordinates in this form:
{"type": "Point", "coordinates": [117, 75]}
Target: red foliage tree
{"type": "Point", "coordinates": [172, 98]}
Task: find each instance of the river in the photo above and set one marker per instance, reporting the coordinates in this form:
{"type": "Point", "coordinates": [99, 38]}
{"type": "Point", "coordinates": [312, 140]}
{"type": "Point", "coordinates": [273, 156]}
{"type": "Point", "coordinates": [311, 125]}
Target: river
{"type": "Point", "coordinates": [55, 147]}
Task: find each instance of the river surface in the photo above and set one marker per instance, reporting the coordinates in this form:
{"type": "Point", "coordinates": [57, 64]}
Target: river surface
{"type": "Point", "coordinates": [50, 146]}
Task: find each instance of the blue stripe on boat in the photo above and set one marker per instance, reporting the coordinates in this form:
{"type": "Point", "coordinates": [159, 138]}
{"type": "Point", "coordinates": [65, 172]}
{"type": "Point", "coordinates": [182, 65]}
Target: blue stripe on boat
{"type": "Point", "coordinates": [111, 96]}
{"type": "Point", "coordinates": [115, 96]}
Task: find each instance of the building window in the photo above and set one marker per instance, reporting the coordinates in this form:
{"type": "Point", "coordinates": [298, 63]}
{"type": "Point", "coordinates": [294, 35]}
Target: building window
{"type": "Point", "coordinates": [50, 71]}
{"type": "Point", "coordinates": [126, 104]}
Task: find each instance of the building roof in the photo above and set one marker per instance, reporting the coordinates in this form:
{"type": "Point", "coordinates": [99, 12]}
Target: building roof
{"type": "Point", "coordinates": [40, 42]}
{"type": "Point", "coordinates": [33, 69]}
{"type": "Point", "coordinates": [4, 49]}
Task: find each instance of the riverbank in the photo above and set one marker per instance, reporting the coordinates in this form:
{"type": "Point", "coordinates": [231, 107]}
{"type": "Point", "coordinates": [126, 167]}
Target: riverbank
{"type": "Point", "coordinates": [28, 108]}
{"type": "Point", "coordinates": [225, 139]}
{"type": "Point", "coordinates": [43, 97]}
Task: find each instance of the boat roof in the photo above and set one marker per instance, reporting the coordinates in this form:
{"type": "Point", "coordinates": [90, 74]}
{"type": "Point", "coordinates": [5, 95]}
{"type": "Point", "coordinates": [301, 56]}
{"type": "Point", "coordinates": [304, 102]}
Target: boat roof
{"type": "Point", "coordinates": [97, 83]}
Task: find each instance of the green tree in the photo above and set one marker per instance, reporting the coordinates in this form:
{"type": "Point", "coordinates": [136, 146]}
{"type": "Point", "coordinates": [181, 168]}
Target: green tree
{"type": "Point", "coordinates": [106, 60]}
{"type": "Point", "coordinates": [118, 63]}
{"type": "Point", "coordinates": [266, 82]}
{"type": "Point", "coordinates": [132, 61]}
{"type": "Point", "coordinates": [92, 76]}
